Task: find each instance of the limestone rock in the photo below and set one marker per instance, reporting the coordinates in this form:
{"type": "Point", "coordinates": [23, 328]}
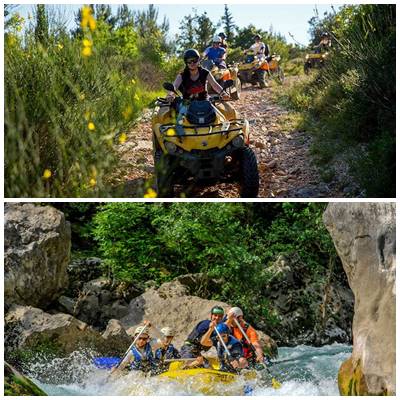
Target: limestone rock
{"type": "Point", "coordinates": [37, 243]}
{"type": "Point", "coordinates": [29, 327]}
{"type": "Point", "coordinates": [364, 237]}
{"type": "Point", "coordinates": [116, 336]}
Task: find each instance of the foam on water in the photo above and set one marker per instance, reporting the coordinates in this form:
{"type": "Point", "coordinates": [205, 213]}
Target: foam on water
{"type": "Point", "coordinates": [302, 371]}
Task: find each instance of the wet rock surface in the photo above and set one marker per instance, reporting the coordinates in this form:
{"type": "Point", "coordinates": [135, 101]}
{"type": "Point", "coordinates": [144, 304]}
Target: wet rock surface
{"type": "Point", "coordinates": [364, 235]}
{"type": "Point", "coordinates": [284, 160]}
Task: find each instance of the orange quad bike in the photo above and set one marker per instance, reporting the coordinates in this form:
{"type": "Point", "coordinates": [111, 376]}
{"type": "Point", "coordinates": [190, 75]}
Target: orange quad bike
{"type": "Point", "coordinates": [204, 140]}
{"type": "Point", "coordinates": [222, 75]}
{"type": "Point", "coordinates": [253, 69]}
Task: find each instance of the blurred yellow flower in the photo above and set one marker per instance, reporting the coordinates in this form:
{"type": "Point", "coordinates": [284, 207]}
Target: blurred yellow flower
{"type": "Point", "coordinates": [46, 174]}
{"type": "Point", "coordinates": [91, 126]}
{"type": "Point", "coordinates": [92, 24]}
{"type": "Point", "coordinates": [122, 138]}
{"type": "Point", "coordinates": [87, 51]}
{"type": "Point", "coordinates": [150, 194]}
{"type": "Point", "coordinates": [92, 182]}
{"type": "Point", "coordinates": [136, 97]}
{"type": "Point", "coordinates": [86, 12]}
{"type": "Point", "coordinates": [133, 82]}
{"type": "Point", "coordinates": [127, 112]}
{"type": "Point", "coordinates": [82, 97]}
{"type": "Point", "coordinates": [60, 46]}
{"type": "Point", "coordinates": [87, 43]}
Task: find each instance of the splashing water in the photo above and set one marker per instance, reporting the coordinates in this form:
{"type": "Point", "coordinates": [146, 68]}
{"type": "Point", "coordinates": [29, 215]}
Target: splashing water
{"type": "Point", "coordinates": [302, 371]}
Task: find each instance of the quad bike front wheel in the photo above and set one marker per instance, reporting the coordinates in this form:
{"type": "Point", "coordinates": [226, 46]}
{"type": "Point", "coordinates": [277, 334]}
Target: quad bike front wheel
{"type": "Point", "coordinates": [238, 90]}
{"type": "Point", "coordinates": [249, 177]}
{"type": "Point", "coordinates": [163, 174]}
{"type": "Point", "coordinates": [307, 68]}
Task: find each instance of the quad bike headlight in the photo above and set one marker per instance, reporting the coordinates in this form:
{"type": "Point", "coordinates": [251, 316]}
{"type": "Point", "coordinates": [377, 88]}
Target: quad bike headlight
{"type": "Point", "coordinates": [171, 147]}
{"type": "Point", "coordinates": [238, 141]}
{"type": "Point", "coordinates": [307, 56]}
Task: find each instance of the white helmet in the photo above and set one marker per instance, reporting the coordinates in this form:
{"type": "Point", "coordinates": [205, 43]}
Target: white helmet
{"type": "Point", "coordinates": [167, 331]}
{"type": "Point", "coordinates": [216, 39]}
{"type": "Point", "coordinates": [142, 329]}
{"type": "Point", "coordinates": [236, 311]}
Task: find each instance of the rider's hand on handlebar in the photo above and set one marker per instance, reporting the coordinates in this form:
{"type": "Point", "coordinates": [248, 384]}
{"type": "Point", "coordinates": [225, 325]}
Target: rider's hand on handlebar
{"type": "Point", "coordinates": [224, 96]}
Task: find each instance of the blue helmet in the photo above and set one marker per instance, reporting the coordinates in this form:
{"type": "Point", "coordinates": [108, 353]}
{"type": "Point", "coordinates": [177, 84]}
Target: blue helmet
{"type": "Point", "coordinates": [223, 328]}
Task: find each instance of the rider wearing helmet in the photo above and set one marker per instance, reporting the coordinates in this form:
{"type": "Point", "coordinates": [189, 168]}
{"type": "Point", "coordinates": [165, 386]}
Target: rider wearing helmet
{"type": "Point", "coordinates": [140, 357]}
{"type": "Point", "coordinates": [253, 350]}
{"type": "Point", "coordinates": [216, 53]}
{"type": "Point", "coordinates": [259, 48]}
{"type": "Point", "coordinates": [324, 44]}
{"type": "Point", "coordinates": [166, 349]}
{"type": "Point", "coordinates": [229, 349]}
{"type": "Point", "coordinates": [223, 42]}
{"type": "Point", "coordinates": [192, 82]}
{"type": "Point", "coordinates": [192, 346]}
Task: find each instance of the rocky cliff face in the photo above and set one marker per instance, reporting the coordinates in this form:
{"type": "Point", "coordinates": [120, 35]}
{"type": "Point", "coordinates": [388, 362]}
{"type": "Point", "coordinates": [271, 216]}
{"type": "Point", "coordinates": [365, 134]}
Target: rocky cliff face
{"type": "Point", "coordinates": [37, 243]}
{"type": "Point", "coordinates": [364, 236]}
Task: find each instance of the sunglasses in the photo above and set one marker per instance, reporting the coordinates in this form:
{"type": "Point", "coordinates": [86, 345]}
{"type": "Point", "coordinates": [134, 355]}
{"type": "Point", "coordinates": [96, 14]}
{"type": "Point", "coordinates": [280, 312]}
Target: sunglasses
{"type": "Point", "coordinates": [192, 61]}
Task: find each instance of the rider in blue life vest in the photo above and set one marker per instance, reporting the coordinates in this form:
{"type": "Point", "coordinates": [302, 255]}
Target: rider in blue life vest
{"type": "Point", "coordinates": [166, 350]}
{"type": "Point", "coordinates": [216, 53]}
{"type": "Point", "coordinates": [192, 347]}
{"type": "Point", "coordinates": [229, 361]}
{"type": "Point", "coordinates": [140, 356]}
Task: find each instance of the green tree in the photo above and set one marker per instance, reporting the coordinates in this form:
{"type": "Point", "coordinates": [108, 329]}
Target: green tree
{"type": "Point", "coordinates": [204, 30]}
{"type": "Point", "coordinates": [42, 25]}
{"type": "Point", "coordinates": [103, 12]}
{"type": "Point", "coordinates": [187, 35]}
{"type": "Point", "coordinates": [228, 24]}
{"type": "Point", "coordinates": [125, 17]}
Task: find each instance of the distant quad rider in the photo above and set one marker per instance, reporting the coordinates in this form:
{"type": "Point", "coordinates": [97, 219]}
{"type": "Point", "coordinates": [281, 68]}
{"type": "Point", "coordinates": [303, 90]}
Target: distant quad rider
{"type": "Point", "coordinates": [192, 82]}
{"type": "Point", "coordinates": [216, 52]}
{"type": "Point", "coordinates": [252, 351]}
{"type": "Point", "coordinates": [223, 42]}
{"type": "Point", "coordinates": [324, 45]}
{"type": "Point", "coordinates": [193, 347]}
{"type": "Point", "coordinates": [231, 361]}
{"type": "Point", "coordinates": [259, 48]}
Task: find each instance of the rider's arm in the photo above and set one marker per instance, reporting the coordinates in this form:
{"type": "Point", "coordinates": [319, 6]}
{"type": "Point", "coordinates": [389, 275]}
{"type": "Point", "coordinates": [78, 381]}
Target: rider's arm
{"type": "Point", "coordinates": [206, 338]}
{"type": "Point", "coordinates": [214, 84]}
{"type": "Point", "coordinates": [177, 83]}
{"type": "Point", "coordinates": [124, 363]}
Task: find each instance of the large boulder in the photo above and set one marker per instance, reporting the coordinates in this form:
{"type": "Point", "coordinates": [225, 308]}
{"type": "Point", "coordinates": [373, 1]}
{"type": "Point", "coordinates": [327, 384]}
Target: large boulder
{"type": "Point", "coordinates": [364, 237]}
{"type": "Point", "coordinates": [171, 305]}
{"type": "Point", "coordinates": [37, 243]}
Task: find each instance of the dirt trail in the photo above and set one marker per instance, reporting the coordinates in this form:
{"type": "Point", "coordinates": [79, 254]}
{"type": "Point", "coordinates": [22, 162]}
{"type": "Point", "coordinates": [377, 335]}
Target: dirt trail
{"type": "Point", "coordinates": [283, 155]}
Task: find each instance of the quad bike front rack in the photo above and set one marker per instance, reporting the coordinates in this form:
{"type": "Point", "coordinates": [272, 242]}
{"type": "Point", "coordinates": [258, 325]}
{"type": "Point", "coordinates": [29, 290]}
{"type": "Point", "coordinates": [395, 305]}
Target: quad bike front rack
{"type": "Point", "coordinates": [225, 128]}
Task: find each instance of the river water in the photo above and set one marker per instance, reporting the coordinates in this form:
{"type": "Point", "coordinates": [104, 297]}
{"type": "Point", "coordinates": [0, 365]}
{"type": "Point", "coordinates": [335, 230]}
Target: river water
{"type": "Point", "coordinates": [301, 370]}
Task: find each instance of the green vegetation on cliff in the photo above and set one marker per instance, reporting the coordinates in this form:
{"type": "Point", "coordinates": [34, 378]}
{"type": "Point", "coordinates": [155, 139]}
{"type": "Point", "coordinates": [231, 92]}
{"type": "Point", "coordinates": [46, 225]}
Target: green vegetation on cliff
{"type": "Point", "coordinates": [234, 243]}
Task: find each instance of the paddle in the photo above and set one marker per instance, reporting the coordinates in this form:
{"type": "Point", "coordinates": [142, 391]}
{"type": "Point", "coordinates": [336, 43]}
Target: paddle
{"type": "Point", "coordinates": [130, 347]}
{"type": "Point", "coordinates": [275, 383]}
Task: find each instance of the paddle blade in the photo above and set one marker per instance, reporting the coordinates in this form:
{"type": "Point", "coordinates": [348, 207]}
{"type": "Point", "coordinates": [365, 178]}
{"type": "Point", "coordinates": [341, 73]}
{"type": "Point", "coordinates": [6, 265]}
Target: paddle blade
{"type": "Point", "coordinates": [275, 384]}
{"type": "Point", "coordinates": [106, 362]}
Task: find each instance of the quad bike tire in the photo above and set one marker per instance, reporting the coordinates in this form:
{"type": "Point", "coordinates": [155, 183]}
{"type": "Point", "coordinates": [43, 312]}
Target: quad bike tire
{"type": "Point", "coordinates": [163, 174]}
{"type": "Point", "coordinates": [307, 68]}
{"type": "Point", "coordinates": [261, 79]}
{"type": "Point", "coordinates": [249, 177]}
{"type": "Point", "coordinates": [281, 75]}
{"type": "Point", "coordinates": [238, 86]}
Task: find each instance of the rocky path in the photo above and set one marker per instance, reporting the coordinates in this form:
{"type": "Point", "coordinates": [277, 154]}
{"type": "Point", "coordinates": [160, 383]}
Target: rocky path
{"type": "Point", "coordinates": [283, 155]}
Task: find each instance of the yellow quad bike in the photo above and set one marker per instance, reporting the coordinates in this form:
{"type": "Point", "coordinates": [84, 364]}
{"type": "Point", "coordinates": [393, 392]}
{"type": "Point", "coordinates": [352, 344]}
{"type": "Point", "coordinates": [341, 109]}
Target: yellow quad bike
{"type": "Point", "coordinates": [222, 75]}
{"type": "Point", "coordinates": [314, 60]}
{"type": "Point", "coordinates": [274, 70]}
{"type": "Point", "coordinates": [253, 70]}
{"type": "Point", "coordinates": [205, 140]}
